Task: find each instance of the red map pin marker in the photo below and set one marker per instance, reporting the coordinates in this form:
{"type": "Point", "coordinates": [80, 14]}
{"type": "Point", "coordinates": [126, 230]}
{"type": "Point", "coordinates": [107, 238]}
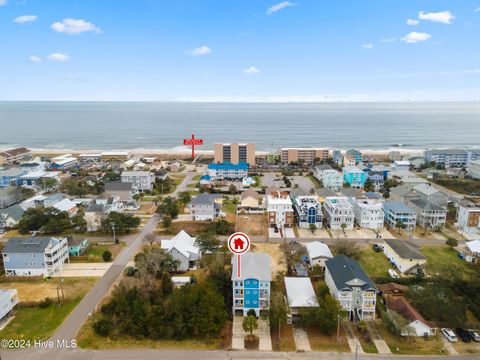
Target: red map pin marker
{"type": "Point", "coordinates": [238, 244]}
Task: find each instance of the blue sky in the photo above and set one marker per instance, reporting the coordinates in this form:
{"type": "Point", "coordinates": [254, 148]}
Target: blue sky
{"type": "Point", "coordinates": [302, 50]}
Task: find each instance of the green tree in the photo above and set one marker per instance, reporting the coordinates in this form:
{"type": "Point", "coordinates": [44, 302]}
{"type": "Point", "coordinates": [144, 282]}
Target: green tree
{"type": "Point", "coordinates": [312, 228]}
{"type": "Point", "coordinates": [166, 221]}
{"type": "Point", "coordinates": [250, 324]}
{"type": "Point", "coordinates": [368, 186]}
{"type": "Point", "coordinates": [207, 241]}
{"type": "Point", "coordinates": [107, 256]}
{"type": "Point", "coordinates": [123, 223]}
{"type": "Point", "coordinates": [452, 242]}
{"type": "Point", "coordinates": [167, 284]}
{"type": "Point", "coordinates": [46, 220]}
{"type": "Point", "coordinates": [232, 189]}
{"type": "Point", "coordinates": [154, 261]}
{"type": "Point", "coordinates": [79, 223]}
{"type": "Point", "coordinates": [168, 207]}
{"type": "Point", "coordinates": [184, 197]}
{"type": "Point", "coordinates": [347, 248]}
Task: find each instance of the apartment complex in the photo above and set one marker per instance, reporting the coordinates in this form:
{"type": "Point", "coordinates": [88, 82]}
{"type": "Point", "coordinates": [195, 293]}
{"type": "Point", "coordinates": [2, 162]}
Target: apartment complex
{"type": "Point", "coordinates": [447, 157]}
{"type": "Point", "coordinates": [368, 213]}
{"type": "Point", "coordinates": [236, 153]}
{"type": "Point", "coordinates": [305, 155]}
{"type": "Point", "coordinates": [338, 212]}
{"type": "Point", "coordinates": [227, 171]}
{"type": "Point", "coordinates": [279, 209]}
{"type": "Point", "coordinates": [474, 169]}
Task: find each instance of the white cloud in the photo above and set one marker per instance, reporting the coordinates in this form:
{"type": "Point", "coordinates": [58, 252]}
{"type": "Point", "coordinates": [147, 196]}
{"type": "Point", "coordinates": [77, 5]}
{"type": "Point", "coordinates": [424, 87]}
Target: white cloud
{"type": "Point", "coordinates": [444, 17]}
{"type": "Point", "coordinates": [34, 59]}
{"type": "Point", "coordinates": [367, 46]}
{"type": "Point", "coordinates": [415, 37]}
{"type": "Point", "coordinates": [200, 51]}
{"type": "Point", "coordinates": [74, 26]}
{"type": "Point", "coordinates": [25, 19]}
{"type": "Point", "coordinates": [473, 71]}
{"type": "Point", "coordinates": [413, 22]}
{"type": "Point", "coordinates": [388, 40]}
{"type": "Point", "coordinates": [58, 57]}
{"type": "Point", "coordinates": [278, 7]}
{"type": "Point", "coordinates": [252, 70]}
{"type": "Point", "coordinates": [477, 9]}
{"type": "Point", "coordinates": [3, 2]}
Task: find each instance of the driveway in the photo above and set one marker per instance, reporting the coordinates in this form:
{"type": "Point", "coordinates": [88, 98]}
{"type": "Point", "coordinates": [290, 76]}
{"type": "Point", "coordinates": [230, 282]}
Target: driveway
{"type": "Point", "coordinates": [301, 339]}
{"type": "Point", "coordinates": [72, 324]}
{"type": "Point", "coordinates": [84, 269]}
{"type": "Point", "coordinates": [263, 333]}
{"type": "Point", "coordinates": [183, 185]}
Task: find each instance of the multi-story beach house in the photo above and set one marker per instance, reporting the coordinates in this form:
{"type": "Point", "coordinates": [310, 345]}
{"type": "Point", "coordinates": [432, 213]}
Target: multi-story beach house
{"type": "Point", "coordinates": [368, 213]}
{"type": "Point", "coordinates": [238, 153]}
{"type": "Point", "coordinates": [338, 212]}
{"type": "Point", "coordinates": [352, 157]}
{"type": "Point", "coordinates": [183, 247]}
{"type": "Point", "coordinates": [398, 214]}
{"type": "Point", "coordinates": [11, 176]}
{"type": "Point", "coordinates": [140, 180]}
{"type": "Point", "coordinates": [307, 208]}
{"type": "Point", "coordinates": [468, 217]}
{"type": "Point", "coordinates": [330, 178]}
{"type": "Point", "coordinates": [251, 287]}
{"type": "Point", "coordinates": [474, 169]}
{"type": "Point", "coordinates": [430, 215]}
{"type": "Point", "coordinates": [447, 157]}
{"type": "Point", "coordinates": [226, 171]}
{"type": "Point", "coordinates": [13, 155]}
{"type": "Point", "coordinates": [431, 193]}
{"type": "Point", "coordinates": [279, 209]}
{"type": "Point", "coordinates": [8, 300]}
{"type": "Point", "coordinates": [351, 287]}
{"type": "Point", "coordinates": [377, 174]}
{"type": "Point", "coordinates": [305, 155]}
{"type": "Point", "coordinates": [337, 157]}
{"type": "Point", "coordinates": [10, 216]}
{"type": "Point", "coordinates": [35, 256]}
{"type": "Point", "coordinates": [401, 165]}
{"type": "Point", "coordinates": [206, 207]}
{"type": "Point", "coordinates": [354, 176]}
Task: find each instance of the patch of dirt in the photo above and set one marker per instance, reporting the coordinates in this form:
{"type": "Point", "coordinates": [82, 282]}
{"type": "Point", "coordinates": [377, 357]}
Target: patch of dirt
{"type": "Point", "coordinates": [253, 225]}
{"type": "Point", "coordinates": [277, 256]}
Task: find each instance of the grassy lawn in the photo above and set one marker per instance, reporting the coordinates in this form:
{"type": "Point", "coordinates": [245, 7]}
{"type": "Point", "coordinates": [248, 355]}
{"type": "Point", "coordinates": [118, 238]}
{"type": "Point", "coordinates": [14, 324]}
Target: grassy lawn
{"type": "Point", "coordinates": [192, 186]}
{"type": "Point", "coordinates": [96, 250]}
{"type": "Point", "coordinates": [440, 257]}
{"type": "Point", "coordinates": [88, 340]}
{"type": "Point", "coordinates": [461, 186]}
{"type": "Point", "coordinates": [413, 346]}
{"type": "Point", "coordinates": [321, 342]}
{"type": "Point", "coordinates": [375, 264]}
{"type": "Point", "coordinates": [197, 177]}
{"type": "Point", "coordinates": [37, 323]}
{"type": "Point", "coordinates": [229, 206]}
{"type": "Point", "coordinates": [316, 183]}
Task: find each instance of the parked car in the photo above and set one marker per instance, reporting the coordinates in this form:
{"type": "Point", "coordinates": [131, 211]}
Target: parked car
{"type": "Point", "coordinates": [464, 335]}
{"type": "Point", "coordinates": [449, 335]}
{"type": "Point", "coordinates": [393, 274]}
{"type": "Point", "coordinates": [377, 248]}
{"type": "Point", "coordinates": [475, 335]}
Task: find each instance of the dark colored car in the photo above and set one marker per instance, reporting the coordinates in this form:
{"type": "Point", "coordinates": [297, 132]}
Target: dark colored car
{"type": "Point", "coordinates": [464, 335]}
{"type": "Point", "coordinates": [377, 248]}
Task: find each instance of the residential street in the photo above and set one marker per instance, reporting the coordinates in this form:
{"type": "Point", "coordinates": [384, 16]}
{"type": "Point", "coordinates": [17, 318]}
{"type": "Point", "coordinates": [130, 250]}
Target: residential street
{"type": "Point", "coordinates": [183, 185]}
{"type": "Point", "coordinates": [80, 314]}
{"type": "Point", "coordinates": [149, 354]}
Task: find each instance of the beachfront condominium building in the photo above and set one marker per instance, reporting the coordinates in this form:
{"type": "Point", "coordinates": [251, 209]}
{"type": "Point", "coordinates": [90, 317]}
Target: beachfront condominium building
{"type": "Point", "coordinates": [13, 155]}
{"type": "Point", "coordinates": [338, 212]}
{"type": "Point", "coordinates": [307, 208]}
{"type": "Point", "coordinates": [430, 215]}
{"type": "Point", "coordinates": [237, 153]}
{"type": "Point", "coordinates": [352, 157]}
{"type": "Point", "coordinates": [35, 256]}
{"type": "Point", "coordinates": [447, 157]}
{"type": "Point", "coordinates": [354, 176]}
{"type": "Point", "coordinates": [251, 285]}
{"type": "Point", "coordinates": [368, 213]}
{"type": "Point", "coordinates": [468, 216]}
{"type": "Point", "coordinates": [399, 215]}
{"type": "Point", "coordinates": [305, 155]}
{"type": "Point", "coordinates": [63, 162]}
{"type": "Point", "coordinates": [227, 171]}
{"type": "Point", "coordinates": [350, 285]}
{"type": "Point", "coordinates": [474, 169]}
{"type": "Point", "coordinates": [279, 209]}
{"type": "Point", "coordinates": [141, 180]}
{"type": "Point", "coordinates": [330, 178]}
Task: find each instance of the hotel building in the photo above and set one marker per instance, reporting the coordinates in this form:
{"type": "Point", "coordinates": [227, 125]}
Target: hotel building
{"type": "Point", "coordinates": [306, 155]}
{"type": "Point", "coordinates": [237, 153]}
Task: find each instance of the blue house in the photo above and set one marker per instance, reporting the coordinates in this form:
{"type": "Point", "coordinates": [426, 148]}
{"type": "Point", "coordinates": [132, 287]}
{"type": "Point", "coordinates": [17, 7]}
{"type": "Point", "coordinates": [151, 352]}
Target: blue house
{"type": "Point", "coordinates": [251, 288]}
{"type": "Point", "coordinates": [354, 176]}
{"type": "Point", "coordinates": [77, 247]}
{"type": "Point", "coordinates": [227, 171]}
{"type": "Point", "coordinates": [355, 155]}
{"type": "Point", "coordinates": [11, 176]}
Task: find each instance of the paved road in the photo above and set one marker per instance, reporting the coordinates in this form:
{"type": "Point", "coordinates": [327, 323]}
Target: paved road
{"type": "Point", "coordinates": [183, 185]}
{"type": "Point", "coordinates": [149, 354]}
{"type": "Point", "coordinates": [80, 314]}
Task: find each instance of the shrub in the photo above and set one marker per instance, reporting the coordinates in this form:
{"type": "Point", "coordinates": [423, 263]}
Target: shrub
{"type": "Point", "coordinates": [107, 256]}
{"type": "Point", "coordinates": [46, 303]}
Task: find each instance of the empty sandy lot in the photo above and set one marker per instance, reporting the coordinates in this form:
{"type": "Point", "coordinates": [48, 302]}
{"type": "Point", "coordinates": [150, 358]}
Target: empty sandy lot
{"type": "Point", "coordinates": [279, 263]}
{"type": "Point", "coordinates": [253, 225]}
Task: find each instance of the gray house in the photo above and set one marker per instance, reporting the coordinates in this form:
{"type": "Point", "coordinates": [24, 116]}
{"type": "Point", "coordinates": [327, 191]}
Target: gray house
{"type": "Point", "coordinates": [124, 190]}
{"type": "Point", "coordinates": [430, 215]}
{"type": "Point", "coordinates": [10, 216]}
{"type": "Point", "coordinates": [35, 256]}
{"type": "Point", "coordinates": [206, 207]}
{"type": "Point", "coordinates": [182, 247]}
{"type": "Point", "coordinates": [8, 196]}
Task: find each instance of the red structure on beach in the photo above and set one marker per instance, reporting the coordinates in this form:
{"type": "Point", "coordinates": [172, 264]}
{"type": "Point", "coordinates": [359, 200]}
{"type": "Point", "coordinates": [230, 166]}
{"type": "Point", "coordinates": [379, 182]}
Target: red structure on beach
{"type": "Point", "coordinates": [194, 142]}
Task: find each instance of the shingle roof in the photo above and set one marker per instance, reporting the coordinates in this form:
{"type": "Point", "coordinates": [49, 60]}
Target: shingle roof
{"type": "Point", "coordinates": [324, 192]}
{"type": "Point", "coordinates": [352, 193]}
{"type": "Point", "coordinates": [427, 205]}
{"type": "Point", "coordinates": [426, 189]}
{"type": "Point", "coordinates": [405, 249]}
{"type": "Point", "coordinates": [95, 208]}
{"type": "Point", "coordinates": [323, 167]}
{"type": "Point", "coordinates": [347, 273]}
{"type": "Point", "coordinates": [15, 212]}
{"type": "Point", "coordinates": [14, 171]}
{"type": "Point", "coordinates": [205, 199]}
{"type": "Point", "coordinates": [253, 266]}
{"type": "Point", "coordinates": [249, 193]}
{"type": "Point", "coordinates": [26, 245]}
{"type": "Point", "coordinates": [184, 243]}
{"type": "Point", "coordinates": [397, 207]}
{"type": "Point", "coordinates": [118, 186]}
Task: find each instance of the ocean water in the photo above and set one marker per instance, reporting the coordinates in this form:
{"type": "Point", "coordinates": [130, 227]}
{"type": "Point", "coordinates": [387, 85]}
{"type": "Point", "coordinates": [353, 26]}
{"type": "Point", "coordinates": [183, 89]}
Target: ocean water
{"type": "Point", "coordinates": [124, 125]}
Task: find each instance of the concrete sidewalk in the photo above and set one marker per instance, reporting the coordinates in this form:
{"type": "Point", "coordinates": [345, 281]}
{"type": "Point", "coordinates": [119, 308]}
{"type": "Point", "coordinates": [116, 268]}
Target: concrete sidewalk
{"type": "Point", "coordinates": [300, 337]}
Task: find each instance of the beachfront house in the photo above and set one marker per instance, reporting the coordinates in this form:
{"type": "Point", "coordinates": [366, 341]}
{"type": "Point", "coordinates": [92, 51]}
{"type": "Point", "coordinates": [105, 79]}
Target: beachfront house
{"type": "Point", "coordinates": [351, 287]}
{"type": "Point", "coordinates": [300, 295]}
{"type": "Point", "coordinates": [63, 162]}
{"type": "Point", "coordinates": [251, 287]}
{"type": "Point", "coordinates": [307, 208]}
{"type": "Point", "coordinates": [399, 215]}
{"type": "Point", "coordinates": [406, 257]}
{"type": "Point", "coordinates": [206, 207]}
{"type": "Point", "coordinates": [318, 252]}
{"type": "Point", "coordinates": [35, 256]}
{"type": "Point", "coordinates": [338, 213]}
{"type": "Point", "coordinates": [182, 247]}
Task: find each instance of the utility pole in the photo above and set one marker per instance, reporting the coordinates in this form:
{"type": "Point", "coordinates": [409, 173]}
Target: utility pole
{"type": "Point", "coordinates": [356, 350]}
{"type": "Point", "coordinates": [113, 229]}
{"type": "Point", "coordinates": [338, 327]}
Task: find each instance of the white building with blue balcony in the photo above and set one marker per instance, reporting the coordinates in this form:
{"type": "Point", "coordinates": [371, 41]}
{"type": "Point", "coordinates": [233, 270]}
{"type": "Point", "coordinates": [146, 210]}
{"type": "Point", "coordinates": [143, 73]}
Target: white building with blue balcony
{"type": "Point", "coordinates": [227, 171]}
{"type": "Point", "coordinates": [251, 290]}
